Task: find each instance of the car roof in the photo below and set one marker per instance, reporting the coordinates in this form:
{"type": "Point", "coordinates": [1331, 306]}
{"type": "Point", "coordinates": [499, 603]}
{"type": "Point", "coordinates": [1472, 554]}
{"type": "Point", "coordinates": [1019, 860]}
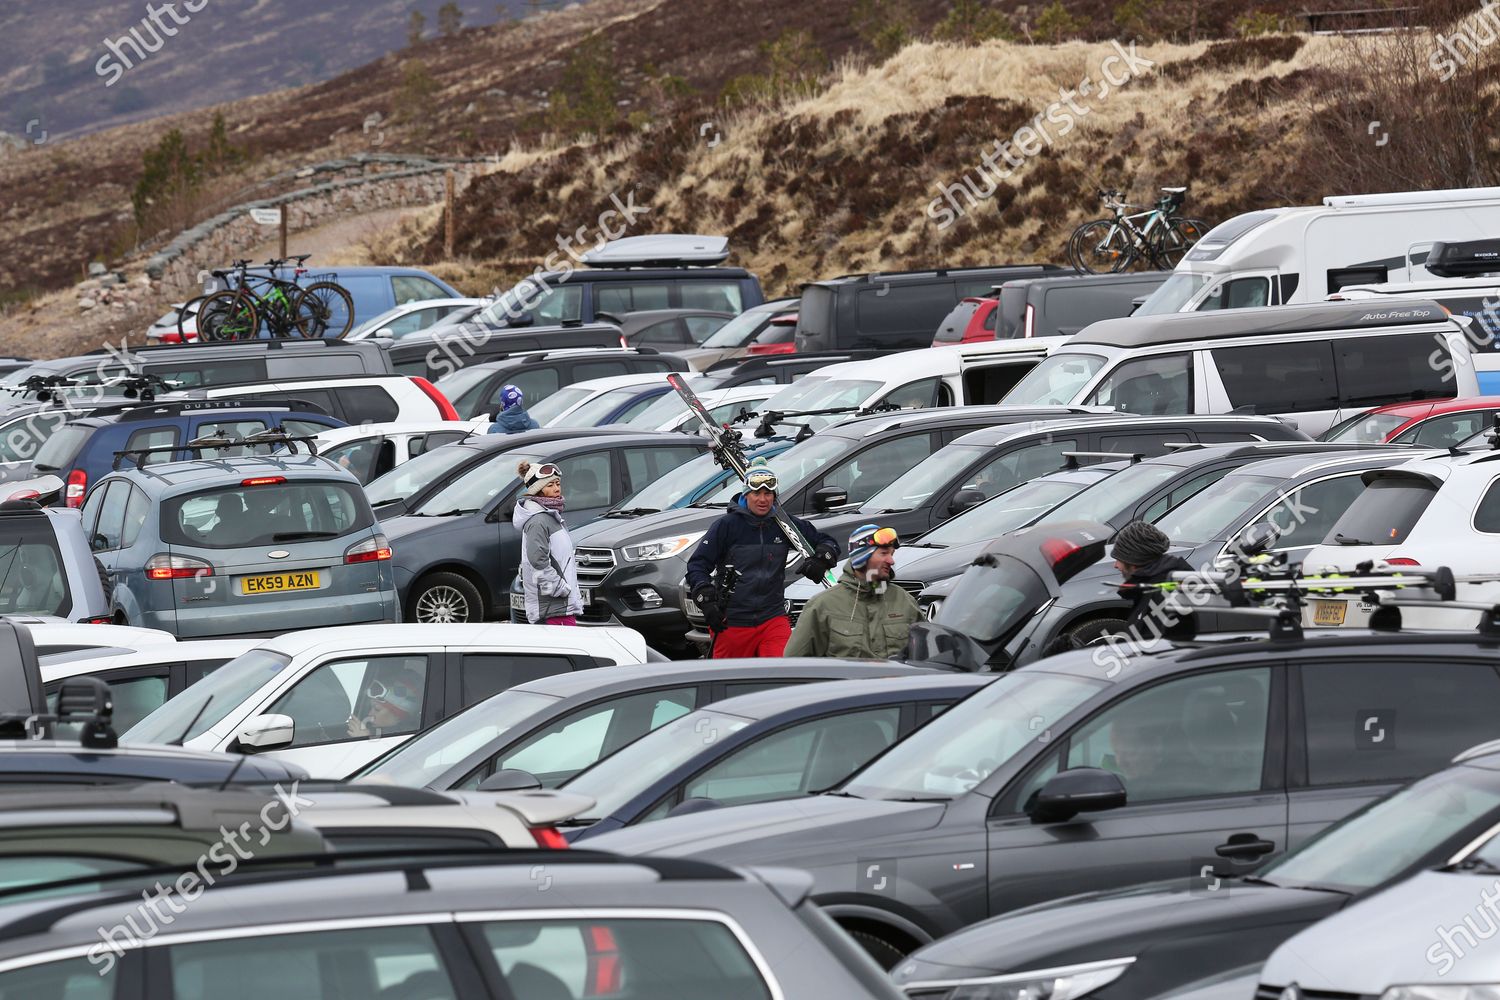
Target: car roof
{"type": "Point", "coordinates": [630, 677]}
{"type": "Point", "coordinates": [57, 666]}
{"type": "Point", "coordinates": [564, 353]}
{"type": "Point", "coordinates": [1434, 407]}
{"type": "Point", "coordinates": [1176, 328]}
{"type": "Point", "coordinates": [338, 435]}
{"type": "Point", "coordinates": [948, 359]}
{"type": "Point", "coordinates": [497, 633]}
{"type": "Point", "coordinates": [1291, 467]}
{"type": "Point", "coordinates": [845, 693]}
{"type": "Point", "coordinates": [875, 423]}
{"type": "Point", "coordinates": [209, 473]}
{"type": "Point", "coordinates": [620, 381]}
{"type": "Point", "coordinates": [1116, 421]}
{"type": "Point", "coordinates": [1086, 280]}
{"type": "Point", "coordinates": [901, 277]}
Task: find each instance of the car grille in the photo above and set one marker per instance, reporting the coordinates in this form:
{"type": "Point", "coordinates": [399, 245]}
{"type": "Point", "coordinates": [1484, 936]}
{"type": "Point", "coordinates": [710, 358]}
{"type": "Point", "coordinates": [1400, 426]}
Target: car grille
{"type": "Point", "coordinates": [912, 587]}
{"type": "Point", "coordinates": [794, 608]}
{"type": "Point", "coordinates": [594, 565]}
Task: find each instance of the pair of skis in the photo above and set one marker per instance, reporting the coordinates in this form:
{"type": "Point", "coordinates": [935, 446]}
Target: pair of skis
{"type": "Point", "coordinates": [729, 452]}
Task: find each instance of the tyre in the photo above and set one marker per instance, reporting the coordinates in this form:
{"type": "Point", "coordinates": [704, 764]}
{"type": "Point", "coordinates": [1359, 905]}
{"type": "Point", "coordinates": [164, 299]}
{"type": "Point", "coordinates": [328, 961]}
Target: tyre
{"type": "Point", "coordinates": [325, 309]}
{"type": "Point", "coordinates": [1094, 632]}
{"type": "Point", "coordinates": [444, 598]}
{"type": "Point", "coordinates": [1172, 242]}
{"type": "Point", "coordinates": [885, 954]}
{"type": "Point", "coordinates": [193, 308]}
{"type": "Point", "coordinates": [1100, 247]}
{"type": "Point", "coordinates": [228, 316]}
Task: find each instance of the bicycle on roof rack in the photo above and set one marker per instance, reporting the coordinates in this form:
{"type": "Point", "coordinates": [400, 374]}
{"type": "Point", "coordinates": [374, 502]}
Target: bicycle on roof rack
{"type": "Point", "coordinates": [252, 300]}
{"type": "Point", "coordinates": [1156, 235]}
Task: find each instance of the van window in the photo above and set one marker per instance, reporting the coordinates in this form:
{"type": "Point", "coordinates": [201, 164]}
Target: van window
{"type": "Point", "coordinates": [191, 375]}
{"type": "Point", "coordinates": [914, 394]}
{"type": "Point", "coordinates": [557, 305]}
{"type": "Point", "coordinates": [894, 313]}
{"type": "Point", "coordinates": [720, 296]}
{"type": "Point", "coordinates": [1376, 370]}
{"type": "Point", "coordinates": [1289, 377]}
{"type": "Point", "coordinates": [1241, 293]}
{"type": "Point", "coordinates": [410, 288]}
{"type": "Point", "coordinates": [371, 293]}
{"type": "Point", "coordinates": [1159, 385]}
{"type": "Point", "coordinates": [621, 297]}
{"type": "Point", "coordinates": [1347, 276]}
{"type": "Point", "coordinates": [990, 383]}
{"type": "Point", "coordinates": [320, 365]}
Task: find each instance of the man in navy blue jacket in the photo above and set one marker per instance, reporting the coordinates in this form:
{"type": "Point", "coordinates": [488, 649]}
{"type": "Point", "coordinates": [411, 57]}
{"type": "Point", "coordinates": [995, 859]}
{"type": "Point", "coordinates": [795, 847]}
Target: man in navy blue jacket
{"type": "Point", "coordinates": [753, 621]}
{"type": "Point", "coordinates": [512, 418]}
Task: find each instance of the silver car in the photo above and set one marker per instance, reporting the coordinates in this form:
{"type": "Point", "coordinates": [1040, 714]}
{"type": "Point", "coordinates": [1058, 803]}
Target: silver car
{"type": "Point", "coordinates": [240, 546]}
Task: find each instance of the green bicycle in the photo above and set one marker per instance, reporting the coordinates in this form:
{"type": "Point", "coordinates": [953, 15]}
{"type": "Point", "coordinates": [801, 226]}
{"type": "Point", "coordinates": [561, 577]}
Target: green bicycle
{"type": "Point", "coordinates": [251, 300]}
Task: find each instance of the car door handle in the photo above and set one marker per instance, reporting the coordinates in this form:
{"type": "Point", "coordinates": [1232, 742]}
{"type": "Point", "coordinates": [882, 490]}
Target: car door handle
{"type": "Point", "coordinates": [1245, 845]}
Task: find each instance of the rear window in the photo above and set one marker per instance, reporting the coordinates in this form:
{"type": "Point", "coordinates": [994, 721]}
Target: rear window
{"type": "Point", "coordinates": [367, 404]}
{"type": "Point", "coordinates": [32, 581]}
{"type": "Point", "coordinates": [951, 329]}
{"type": "Point", "coordinates": [815, 313]}
{"type": "Point", "coordinates": [61, 449]}
{"type": "Point", "coordinates": [1384, 513]}
{"type": "Point", "coordinates": [271, 514]}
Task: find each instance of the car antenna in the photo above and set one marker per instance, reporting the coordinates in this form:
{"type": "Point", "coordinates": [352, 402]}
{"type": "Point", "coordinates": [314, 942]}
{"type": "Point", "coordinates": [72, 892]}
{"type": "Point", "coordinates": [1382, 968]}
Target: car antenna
{"type": "Point", "coordinates": [191, 723]}
{"type": "Point", "coordinates": [233, 770]}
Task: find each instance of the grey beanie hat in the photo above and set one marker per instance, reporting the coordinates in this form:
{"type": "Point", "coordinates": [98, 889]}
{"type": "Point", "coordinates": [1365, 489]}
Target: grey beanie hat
{"type": "Point", "coordinates": [1140, 543]}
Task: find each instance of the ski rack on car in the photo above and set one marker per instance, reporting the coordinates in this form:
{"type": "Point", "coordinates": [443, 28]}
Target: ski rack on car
{"type": "Point", "coordinates": [43, 387]}
{"type": "Point", "coordinates": [198, 445]}
{"type": "Point", "coordinates": [770, 418]}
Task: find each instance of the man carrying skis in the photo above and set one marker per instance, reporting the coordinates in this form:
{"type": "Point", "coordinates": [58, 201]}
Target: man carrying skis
{"type": "Point", "coordinates": [748, 542]}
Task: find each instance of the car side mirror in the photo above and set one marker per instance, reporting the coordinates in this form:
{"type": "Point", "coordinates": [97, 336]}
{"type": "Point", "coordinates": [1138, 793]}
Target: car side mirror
{"type": "Point", "coordinates": [1079, 789]}
{"type": "Point", "coordinates": [694, 805]}
{"type": "Point", "coordinates": [524, 319]}
{"type": "Point", "coordinates": [510, 779]}
{"type": "Point", "coordinates": [266, 732]}
{"type": "Point", "coordinates": [384, 333]}
{"type": "Point", "coordinates": [829, 498]}
{"type": "Point", "coordinates": [963, 500]}
{"type": "Point", "coordinates": [1256, 539]}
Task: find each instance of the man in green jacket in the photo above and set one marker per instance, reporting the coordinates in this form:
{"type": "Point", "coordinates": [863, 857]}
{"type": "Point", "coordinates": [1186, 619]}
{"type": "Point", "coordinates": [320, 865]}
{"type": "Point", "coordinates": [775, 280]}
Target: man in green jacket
{"type": "Point", "coordinates": [863, 617]}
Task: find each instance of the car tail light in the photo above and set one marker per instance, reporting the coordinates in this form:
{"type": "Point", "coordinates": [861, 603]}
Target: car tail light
{"type": "Point", "coordinates": [171, 338]}
{"type": "Point", "coordinates": [374, 549]}
{"type": "Point", "coordinates": [1030, 327]}
{"type": "Point", "coordinates": [445, 408]}
{"type": "Point", "coordinates": [773, 349]}
{"type": "Point", "coordinates": [24, 495]}
{"type": "Point", "coordinates": [263, 481]}
{"type": "Point", "coordinates": [78, 480]}
{"type": "Point", "coordinates": [604, 977]}
{"type": "Point", "coordinates": [1401, 561]}
{"type": "Point", "coordinates": [1055, 550]}
{"type": "Point", "coordinates": [97, 620]}
{"type": "Point", "coordinates": [165, 567]}
{"type": "Point", "coordinates": [549, 837]}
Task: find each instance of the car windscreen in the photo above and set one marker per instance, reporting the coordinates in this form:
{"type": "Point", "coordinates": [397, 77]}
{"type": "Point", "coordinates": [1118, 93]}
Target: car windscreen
{"type": "Point", "coordinates": [792, 466]}
{"type": "Point", "coordinates": [1215, 509]}
{"type": "Point", "coordinates": [32, 578]}
{"type": "Point", "coordinates": [22, 436]}
{"type": "Point", "coordinates": [546, 410]}
{"type": "Point", "coordinates": [1056, 381]}
{"type": "Point", "coordinates": [1119, 492]}
{"type": "Point", "coordinates": [61, 450]}
{"type": "Point", "coordinates": [1174, 293]}
{"type": "Point", "coordinates": [415, 475]}
{"type": "Point", "coordinates": [980, 734]}
{"type": "Point", "coordinates": [597, 410]}
{"type": "Point", "coordinates": [1385, 512]}
{"type": "Point", "coordinates": [1364, 428]}
{"type": "Point", "coordinates": [475, 487]}
{"type": "Point", "coordinates": [201, 707]}
{"type": "Point", "coordinates": [465, 388]}
{"type": "Point", "coordinates": [991, 600]}
{"type": "Point", "coordinates": [427, 755]}
{"type": "Point", "coordinates": [928, 476]}
{"type": "Point", "coordinates": [662, 493]}
{"type": "Point", "coordinates": [739, 331]}
{"type": "Point", "coordinates": [1008, 511]}
{"type": "Point", "coordinates": [277, 512]}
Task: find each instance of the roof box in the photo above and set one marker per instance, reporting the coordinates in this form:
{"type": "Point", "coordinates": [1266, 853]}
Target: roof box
{"type": "Point", "coordinates": [1464, 260]}
{"type": "Point", "coordinates": [660, 250]}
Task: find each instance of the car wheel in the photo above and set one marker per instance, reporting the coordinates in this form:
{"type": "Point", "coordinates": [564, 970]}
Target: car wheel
{"type": "Point", "coordinates": [885, 954]}
{"type": "Point", "coordinates": [1094, 633]}
{"type": "Point", "coordinates": [444, 598]}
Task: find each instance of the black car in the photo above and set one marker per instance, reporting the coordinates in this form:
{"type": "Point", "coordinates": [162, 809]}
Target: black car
{"type": "Point", "coordinates": [539, 726]}
{"type": "Point", "coordinates": [435, 354]}
{"type": "Point", "coordinates": [774, 369]}
{"type": "Point", "coordinates": [985, 463]}
{"type": "Point", "coordinates": [1066, 776]}
{"type": "Point", "coordinates": [1061, 306]}
{"type": "Point", "coordinates": [475, 390]}
{"type": "Point", "coordinates": [892, 310]}
{"type": "Point", "coordinates": [633, 569]}
{"type": "Point", "coordinates": [1143, 941]}
{"type": "Point", "coordinates": [456, 552]}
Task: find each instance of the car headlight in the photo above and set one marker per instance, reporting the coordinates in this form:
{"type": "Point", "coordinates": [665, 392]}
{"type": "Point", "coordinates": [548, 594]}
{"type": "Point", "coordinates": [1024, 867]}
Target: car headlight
{"type": "Point", "coordinates": [661, 548]}
{"type": "Point", "coordinates": [932, 609]}
{"type": "Point", "coordinates": [1067, 982]}
{"type": "Point", "coordinates": [1482, 991]}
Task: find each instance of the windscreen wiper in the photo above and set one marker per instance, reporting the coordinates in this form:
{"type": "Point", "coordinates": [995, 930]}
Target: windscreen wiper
{"type": "Point", "coordinates": [632, 512]}
{"type": "Point", "coordinates": [1346, 540]}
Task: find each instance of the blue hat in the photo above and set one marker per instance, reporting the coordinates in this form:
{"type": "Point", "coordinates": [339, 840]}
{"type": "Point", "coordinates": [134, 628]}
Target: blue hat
{"type": "Point", "coordinates": [511, 396]}
{"type": "Point", "coordinates": [865, 539]}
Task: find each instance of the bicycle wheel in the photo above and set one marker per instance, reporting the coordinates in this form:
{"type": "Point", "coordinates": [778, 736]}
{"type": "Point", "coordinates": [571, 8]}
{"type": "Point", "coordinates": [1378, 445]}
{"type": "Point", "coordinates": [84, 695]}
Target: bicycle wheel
{"type": "Point", "coordinates": [1100, 247]}
{"type": "Point", "coordinates": [189, 311]}
{"type": "Point", "coordinates": [1172, 241]}
{"type": "Point", "coordinates": [228, 316]}
{"type": "Point", "coordinates": [325, 309]}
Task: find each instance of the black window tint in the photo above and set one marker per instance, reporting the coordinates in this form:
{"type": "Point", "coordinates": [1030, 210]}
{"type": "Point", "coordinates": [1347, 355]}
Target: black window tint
{"type": "Point", "coordinates": [990, 383]}
{"type": "Point", "coordinates": [916, 394]}
{"type": "Point", "coordinates": [587, 481]}
{"type": "Point", "coordinates": [619, 298]}
{"type": "Point", "coordinates": [1385, 512]}
{"type": "Point", "coordinates": [644, 466]}
{"type": "Point", "coordinates": [1388, 721]}
{"type": "Point", "coordinates": [877, 467]}
{"type": "Point", "coordinates": [484, 674]}
{"type": "Point", "coordinates": [74, 978]}
{"type": "Point", "coordinates": [1182, 492]}
{"type": "Point", "coordinates": [1376, 370]}
{"type": "Point", "coordinates": [111, 524]}
{"type": "Point", "coordinates": [1487, 515]}
{"type": "Point", "coordinates": [720, 296]}
{"type": "Point", "coordinates": [1159, 385]}
{"type": "Point", "coordinates": [159, 437]}
{"type": "Point", "coordinates": [367, 404]}
{"type": "Point", "coordinates": [536, 384]}
{"type": "Point", "coordinates": [194, 375]}
{"type": "Point", "coordinates": [667, 332]}
{"type": "Point", "coordinates": [1440, 432]}
{"type": "Point", "coordinates": [583, 371]}
{"type": "Point", "coordinates": [914, 310]}
{"type": "Point", "coordinates": [320, 399]}
{"type": "Point", "coordinates": [1306, 517]}
{"type": "Point", "coordinates": [1278, 378]}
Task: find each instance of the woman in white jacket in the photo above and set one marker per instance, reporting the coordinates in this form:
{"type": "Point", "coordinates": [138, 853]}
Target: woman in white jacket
{"type": "Point", "coordinates": [549, 573]}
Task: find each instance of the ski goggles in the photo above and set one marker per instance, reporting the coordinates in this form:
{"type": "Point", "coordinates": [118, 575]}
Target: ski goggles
{"type": "Point", "coordinates": [875, 538]}
{"type": "Point", "coordinates": [761, 480]}
{"type": "Point", "coordinates": [387, 693]}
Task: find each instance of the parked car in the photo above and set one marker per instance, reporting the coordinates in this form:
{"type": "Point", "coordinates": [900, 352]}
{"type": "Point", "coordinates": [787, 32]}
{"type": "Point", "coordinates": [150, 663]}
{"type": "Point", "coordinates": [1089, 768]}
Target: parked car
{"type": "Point", "coordinates": [600, 400]}
{"type": "Point", "coordinates": [1064, 305]}
{"type": "Point", "coordinates": [375, 290]}
{"type": "Point", "coordinates": [1055, 779]}
{"type": "Point", "coordinates": [666, 271]}
{"type": "Point", "coordinates": [668, 412]}
{"type": "Point", "coordinates": [367, 399]}
{"type": "Point", "coordinates": [49, 569]}
{"type": "Point", "coordinates": [371, 450]}
{"type": "Point", "coordinates": [668, 329]}
{"type": "Point", "coordinates": [82, 452]}
{"type": "Point", "coordinates": [439, 351]}
{"type": "Point", "coordinates": [615, 926]}
{"type": "Point", "coordinates": [411, 317]}
{"type": "Point", "coordinates": [56, 636]}
{"type": "Point", "coordinates": [240, 546]}
{"type": "Point", "coordinates": [737, 337]}
{"type": "Point", "coordinates": [475, 390]}
{"type": "Point", "coordinates": [972, 321]}
{"type": "Point", "coordinates": [298, 696]}
{"type": "Point", "coordinates": [1310, 364]}
{"type": "Point", "coordinates": [1437, 424]}
{"type": "Point", "coordinates": [892, 310]}
{"type": "Point", "coordinates": [775, 369]}
{"type": "Point", "coordinates": [760, 747]}
{"type": "Point", "coordinates": [457, 550]}
{"type": "Point", "coordinates": [1148, 940]}
{"type": "Point", "coordinates": [690, 482]}
{"type": "Point", "coordinates": [555, 726]}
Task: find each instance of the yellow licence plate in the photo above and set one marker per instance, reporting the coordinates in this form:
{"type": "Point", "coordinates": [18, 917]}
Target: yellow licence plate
{"type": "Point", "coordinates": [1329, 612]}
{"type": "Point", "coordinates": [273, 583]}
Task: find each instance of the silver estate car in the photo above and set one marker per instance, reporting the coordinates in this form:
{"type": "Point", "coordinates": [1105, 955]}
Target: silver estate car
{"type": "Point", "coordinates": [240, 546]}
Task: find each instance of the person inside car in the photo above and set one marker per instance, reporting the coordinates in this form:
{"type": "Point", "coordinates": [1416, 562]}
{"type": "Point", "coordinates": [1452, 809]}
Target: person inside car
{"type": "Point", "coordinates": [394, 707]}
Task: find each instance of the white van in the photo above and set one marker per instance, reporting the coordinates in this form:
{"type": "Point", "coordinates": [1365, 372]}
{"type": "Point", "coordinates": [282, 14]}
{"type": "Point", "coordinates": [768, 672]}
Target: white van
{"type": "Point", "coordinates": [1311, 365]}
{"type": "Point", "coordinates": [1302, 254]}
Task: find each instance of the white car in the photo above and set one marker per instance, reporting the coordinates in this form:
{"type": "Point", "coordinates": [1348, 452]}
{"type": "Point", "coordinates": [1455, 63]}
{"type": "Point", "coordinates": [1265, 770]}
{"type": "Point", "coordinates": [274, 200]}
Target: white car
{"type": "Point", "coordinates": [331, 700]}
{"type": "Point", "coordinates": [142, 680]}
{"type": "Point", "coordinates": [411, 317]}
{"type": "Point", "coordinates": [369, 816]}
{"type": "Point", "coordinates": [588, 403]}
{"type": "Point", "coordinates": [670, 413]}
{"type": "Point", "coordinates": [354, 399]}
{"type": "Point", "coordinates": [1429, 512]}
{"type": "Point", "coordinates": [56, 635]}
{"type": "Point", "coordinates": [371, 450]}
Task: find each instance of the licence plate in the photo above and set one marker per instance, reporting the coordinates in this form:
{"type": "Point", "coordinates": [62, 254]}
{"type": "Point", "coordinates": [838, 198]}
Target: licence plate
{"type": "Point", "coordinates": [518, 601]}
{"type": "Point", "coordinates": [275, 583]}
{"type": "Point", "coordinates": [1329, 612]}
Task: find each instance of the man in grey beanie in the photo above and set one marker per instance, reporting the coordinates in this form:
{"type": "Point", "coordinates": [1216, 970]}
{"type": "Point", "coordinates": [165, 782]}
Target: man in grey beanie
{"type": "Point", "coordinates": [1140, 553]}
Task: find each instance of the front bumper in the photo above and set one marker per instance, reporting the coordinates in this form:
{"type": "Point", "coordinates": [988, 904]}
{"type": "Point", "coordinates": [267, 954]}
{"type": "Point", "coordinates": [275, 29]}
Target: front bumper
{"type": "Point", "coordinates": [646, 596]}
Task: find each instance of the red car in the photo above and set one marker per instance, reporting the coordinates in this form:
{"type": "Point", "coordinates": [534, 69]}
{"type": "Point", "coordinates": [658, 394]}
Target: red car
{"type": "Point", "coordinates": [971, 321]}
{"type": "Point", "coordinates": [1436, 423]}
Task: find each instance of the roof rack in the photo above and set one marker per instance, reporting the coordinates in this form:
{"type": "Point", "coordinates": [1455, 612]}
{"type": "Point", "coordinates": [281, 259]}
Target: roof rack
{"type": "Point", "coordinates": [198, 445]}
{"type": "Point", "coordinates": [770, 418]}
{"type": "Point", "coordinates": [872, 277]}
{"type": "Point", "coordinates": [193, 404]}
{"type": "Point", "coordinates": [1173, 328]}
{"type": "Point", "coordinates": [1071, 457]}
{"type": "Point", "coordinates": [271, 344]}
{"type": "Point", "coordinates": [81, 699]}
